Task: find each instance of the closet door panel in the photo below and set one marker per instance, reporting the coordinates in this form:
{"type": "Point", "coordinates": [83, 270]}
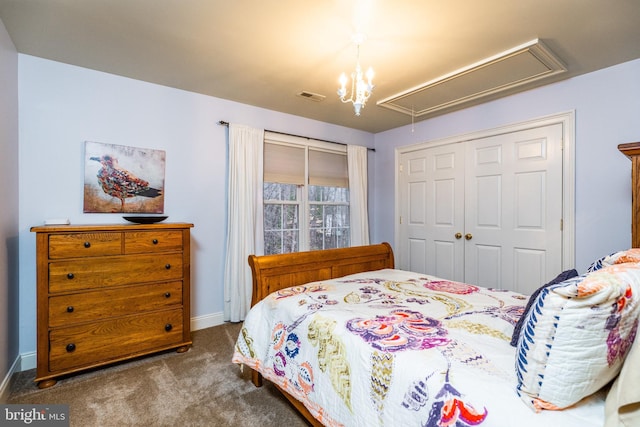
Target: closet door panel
{"type": "Point", "coordinates": [417, 255]}
{"type": "Point", "coordinates": [514, 205]}
{"type": "Point", "coordinates": [445, 211]}
{"type": "Point", "coordinates": [487, 266]}
{"type": "Point", "coordinates": [428, 229]}
{"type": "Point", "coordinates": [413, 210]}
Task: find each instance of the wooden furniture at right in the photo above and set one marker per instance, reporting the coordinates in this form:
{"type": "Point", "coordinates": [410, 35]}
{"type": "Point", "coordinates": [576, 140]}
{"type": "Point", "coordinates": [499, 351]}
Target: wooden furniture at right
{"type": "Point", "coordinates": [632, 150]}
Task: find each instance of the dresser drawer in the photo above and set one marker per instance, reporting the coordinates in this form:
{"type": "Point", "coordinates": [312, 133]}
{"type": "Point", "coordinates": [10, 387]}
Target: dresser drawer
{"type": "Point", "coordinates": [74, 245]}
{"type": "Point", "coordinates": [65, 310]}
{"type": "Point", "coordinates": [81, 345]}
{"type": "Point", "coordinates": [71, 275]}
{"type": "Point", "coordinates": [137, 242]}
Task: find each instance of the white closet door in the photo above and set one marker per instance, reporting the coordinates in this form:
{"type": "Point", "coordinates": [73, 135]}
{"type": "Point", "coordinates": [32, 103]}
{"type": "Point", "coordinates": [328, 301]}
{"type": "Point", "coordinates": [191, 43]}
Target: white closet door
{"type": "Point", "coordinates": [432, 211]}
{"type": "Point", "coordinates": [513, 209]}
{"type": "Point", "coordinates": [486, 211]}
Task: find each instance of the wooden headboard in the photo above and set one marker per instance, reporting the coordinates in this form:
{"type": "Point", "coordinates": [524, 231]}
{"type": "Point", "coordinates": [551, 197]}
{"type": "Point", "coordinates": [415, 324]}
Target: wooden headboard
{"type": "Point", "coordinates": [632, 150]}
{"type": "Point", "coordinates": [275, 272]}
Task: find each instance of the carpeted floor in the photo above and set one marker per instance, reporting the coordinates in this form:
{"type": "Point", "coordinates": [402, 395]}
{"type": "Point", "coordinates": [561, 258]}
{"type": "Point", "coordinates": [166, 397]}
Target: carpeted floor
{"type": "Point", "coordinates": [198, 388]}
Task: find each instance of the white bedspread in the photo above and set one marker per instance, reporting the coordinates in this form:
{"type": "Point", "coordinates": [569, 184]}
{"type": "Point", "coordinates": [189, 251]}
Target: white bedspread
{"type": "Point", "coordinates": [395, 348]}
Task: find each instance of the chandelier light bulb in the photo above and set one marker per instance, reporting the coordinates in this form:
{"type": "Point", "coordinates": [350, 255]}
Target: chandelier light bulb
{"type": "Point", "coordinates": [343, 85]}
{"type": "Point", "coordinates": [370, 77]}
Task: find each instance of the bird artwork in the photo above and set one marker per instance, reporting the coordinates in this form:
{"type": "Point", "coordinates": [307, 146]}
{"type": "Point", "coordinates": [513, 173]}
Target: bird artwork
{"type": "Point", "coordinates": [121, 183]}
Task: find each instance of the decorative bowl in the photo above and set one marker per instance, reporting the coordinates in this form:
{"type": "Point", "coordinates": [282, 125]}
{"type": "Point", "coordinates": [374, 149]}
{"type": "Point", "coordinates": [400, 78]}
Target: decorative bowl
{"type": "Point", "coordinates": [145, 219]}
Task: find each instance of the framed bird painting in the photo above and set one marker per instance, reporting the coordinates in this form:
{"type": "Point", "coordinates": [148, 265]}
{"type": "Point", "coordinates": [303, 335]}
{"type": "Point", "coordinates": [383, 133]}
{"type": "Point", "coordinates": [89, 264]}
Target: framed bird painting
{"type": "Point", "coordinates": [123, 179]}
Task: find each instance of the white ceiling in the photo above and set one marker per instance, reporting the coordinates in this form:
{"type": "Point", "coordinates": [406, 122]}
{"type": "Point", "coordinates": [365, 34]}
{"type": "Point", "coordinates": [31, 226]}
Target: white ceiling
{"type": "Point", "coordinates": [263, 52]}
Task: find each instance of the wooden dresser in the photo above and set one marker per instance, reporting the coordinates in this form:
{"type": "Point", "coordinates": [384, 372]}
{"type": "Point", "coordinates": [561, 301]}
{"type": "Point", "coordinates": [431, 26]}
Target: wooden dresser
{"type": "Point", "coordinates": [108, 293]}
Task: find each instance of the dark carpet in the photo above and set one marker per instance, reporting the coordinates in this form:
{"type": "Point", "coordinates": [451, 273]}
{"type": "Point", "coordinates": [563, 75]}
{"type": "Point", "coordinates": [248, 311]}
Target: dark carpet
{"type": "Point", "coordinates": [198, 388]}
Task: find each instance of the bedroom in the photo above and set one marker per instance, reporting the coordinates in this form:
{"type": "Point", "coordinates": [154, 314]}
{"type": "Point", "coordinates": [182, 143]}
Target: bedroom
{"type": "Point", "coordinates": [60, 106]}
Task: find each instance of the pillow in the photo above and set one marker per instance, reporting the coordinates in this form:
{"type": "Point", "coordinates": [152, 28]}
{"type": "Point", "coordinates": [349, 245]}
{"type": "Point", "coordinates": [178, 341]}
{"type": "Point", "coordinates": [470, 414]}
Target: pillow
{"type": "Point", "coordinates": [559, 278]}
{"type": "Point", "coordinates": [576, 336]}
{"type": "Point", "coordinates": [620, 257]}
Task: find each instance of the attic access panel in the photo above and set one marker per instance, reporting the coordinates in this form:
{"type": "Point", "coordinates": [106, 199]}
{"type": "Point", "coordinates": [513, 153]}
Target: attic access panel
{"type": "Point", "coordinates": [515, 67]}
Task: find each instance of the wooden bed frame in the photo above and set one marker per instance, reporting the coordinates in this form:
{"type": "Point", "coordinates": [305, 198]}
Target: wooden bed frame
{"type": "Point", "coordinates": [274, 272]}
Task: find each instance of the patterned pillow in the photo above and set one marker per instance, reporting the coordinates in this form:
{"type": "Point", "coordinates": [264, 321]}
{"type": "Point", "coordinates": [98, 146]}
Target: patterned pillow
{"type": "Point", "coordinates": [577, 335]}
{"type": "Point", "coordinates": [559, 278]}
{"type": "Point", "coordinates": [630, 255]}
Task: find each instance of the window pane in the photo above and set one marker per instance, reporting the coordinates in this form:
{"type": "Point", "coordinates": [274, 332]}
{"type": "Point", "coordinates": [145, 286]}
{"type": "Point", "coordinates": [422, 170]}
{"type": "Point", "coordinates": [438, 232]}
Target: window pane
{"type": "Point", "coordinates": [272, 242]}
{"type": "Point", "coordinates": [272, 217]}
{"type": "Point", "coordinates": [315, 216]}
{"type": "Point", "coordinates": [290, 242]}
{"type": "Point", "coordinates": [315, 193]}
{"type": "Point", "coordinates": [329, 240]}
{"type": "Point", "coordinates": [343, 238]}
{"type": "Point", "coordinates": [271, 191]}
{"type": "Point", "coordinates": [342, 226]}
{"type": "Point", "coordinates": [328, 194]}
{"type": "Point", "coordinates": [316, 239]}
{"type": "Point", "coordinates": [341, 219]}
{"type": "Point", "coordinates": [341, 195]}
{"type": "Point", "coordinates": [275, 191]}
{"type": "Point", "coordinates": [289, 192]}
{"type": "Point", "coordinates": [291, 217]}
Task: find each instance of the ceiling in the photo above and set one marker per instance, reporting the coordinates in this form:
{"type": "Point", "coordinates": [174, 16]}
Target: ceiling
{"type": "Point", "coordinates": [264, 53]}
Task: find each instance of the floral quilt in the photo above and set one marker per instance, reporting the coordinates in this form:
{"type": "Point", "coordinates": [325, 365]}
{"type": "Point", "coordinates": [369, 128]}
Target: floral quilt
{"type": "Point", "coordinates": [396, 348]}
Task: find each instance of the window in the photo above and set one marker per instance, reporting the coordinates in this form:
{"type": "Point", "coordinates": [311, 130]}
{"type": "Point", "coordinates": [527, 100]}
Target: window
{"type": "Point", "coordinates": [281, 218]}
{"type": "Point", "coordinates": [306, 195]}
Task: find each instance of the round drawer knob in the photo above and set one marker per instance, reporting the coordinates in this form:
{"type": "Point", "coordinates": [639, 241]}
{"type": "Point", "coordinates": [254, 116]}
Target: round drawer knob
{"type": "Point", "coordinates": [70, 309]}
{"type": "Point", "coordinates": [71, 348]}
{"type": "Point", "coordinates": [167, 266]}
{"type": "Point", "coordinates": [87, 244]}
{"type": "Point", "coordinates": [167, 294]}
{"type": "Point", "coordinates": [154, 241]}
{"type": "Point", "coordinates": [168, 327]}
{"type": "Point", "coordinates": [70, 276]}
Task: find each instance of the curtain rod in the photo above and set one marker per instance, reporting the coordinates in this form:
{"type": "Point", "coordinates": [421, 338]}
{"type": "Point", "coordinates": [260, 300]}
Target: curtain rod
{"type": "Point", "coordinates": [223, 123]}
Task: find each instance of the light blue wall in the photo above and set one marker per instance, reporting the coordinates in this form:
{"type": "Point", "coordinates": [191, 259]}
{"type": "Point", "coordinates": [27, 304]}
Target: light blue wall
{"type": "Point", "coordinates": [9, 202]}
{"type": "Point", "coordinates": [607, 111]}
{"type": "Point", "coordinates": [61, 106]}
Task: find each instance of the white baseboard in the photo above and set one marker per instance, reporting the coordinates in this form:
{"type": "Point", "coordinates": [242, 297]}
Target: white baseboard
{"type": "Point", "coordinates": [27, 361]}
{"type": "Point", "coordinates": [207, 321]}
{"type": "Point", "coordinates": [6, 382]}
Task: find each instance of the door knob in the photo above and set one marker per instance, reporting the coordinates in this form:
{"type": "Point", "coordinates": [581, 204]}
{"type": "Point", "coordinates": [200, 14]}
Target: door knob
{"type": "Point", "coordinates": [458, 235]}
{"type": "Point", "coordinates": [468, 236]}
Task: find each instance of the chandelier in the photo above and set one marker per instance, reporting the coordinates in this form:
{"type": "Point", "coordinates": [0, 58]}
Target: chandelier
{"type": "Point", "coordinates": [360, 90]}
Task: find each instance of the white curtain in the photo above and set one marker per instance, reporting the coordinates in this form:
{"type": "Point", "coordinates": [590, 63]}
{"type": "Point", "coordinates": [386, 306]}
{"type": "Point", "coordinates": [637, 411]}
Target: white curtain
{"type": "Point", "coordinates": [357, 167]}
{"type": "Point", "coordinates": [244, 217]}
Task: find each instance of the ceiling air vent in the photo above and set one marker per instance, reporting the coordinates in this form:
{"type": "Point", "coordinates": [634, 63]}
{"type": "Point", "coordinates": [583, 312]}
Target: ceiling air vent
{"type": "Point", "coordinates": [524, 64]}
{"type": "Point", "coordinates": [312, 96]}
